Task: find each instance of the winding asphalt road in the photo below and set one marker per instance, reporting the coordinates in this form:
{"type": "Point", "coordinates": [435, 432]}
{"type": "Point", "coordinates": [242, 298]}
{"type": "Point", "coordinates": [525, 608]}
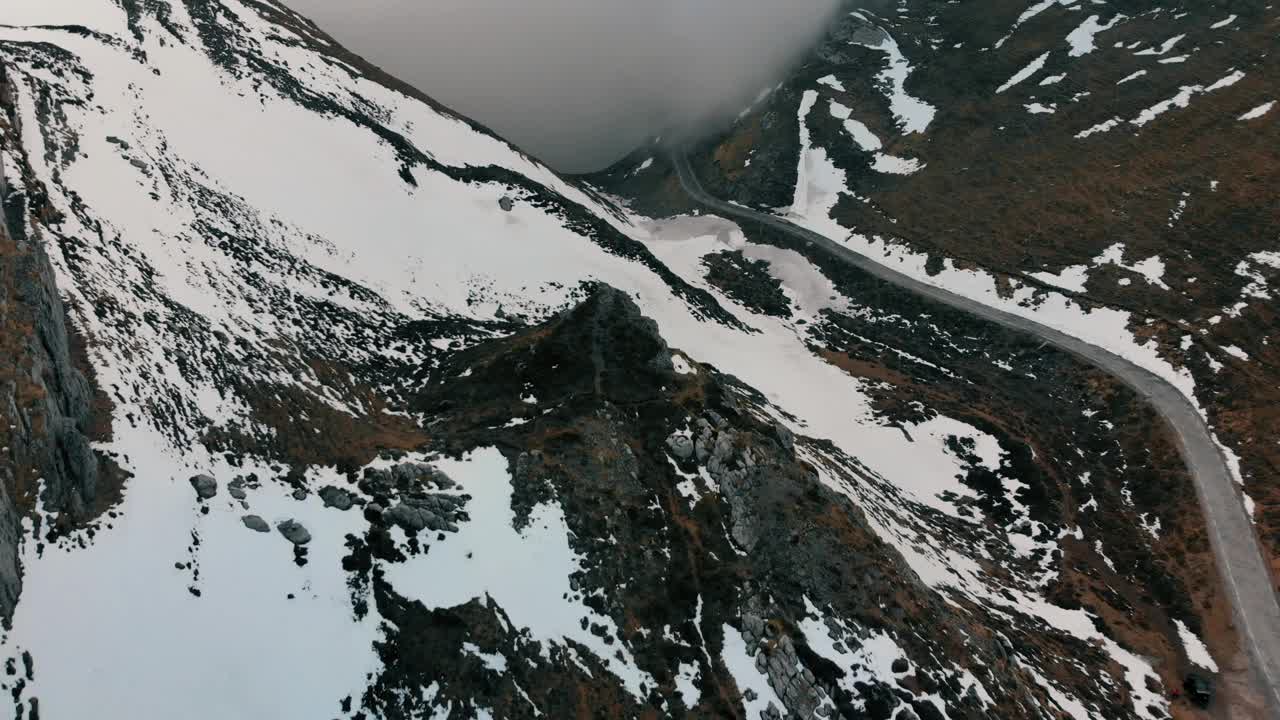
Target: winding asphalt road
{"type": "Point", "coordinates": [1244, 573]}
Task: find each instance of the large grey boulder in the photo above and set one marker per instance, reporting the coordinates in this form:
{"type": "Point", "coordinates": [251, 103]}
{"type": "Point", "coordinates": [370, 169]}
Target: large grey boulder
{"type": "Point", "coordinates": [336, 497]}
{"type": "Point", "coordinates": [681, 446]}
{"type": "Point", "coordinates": [294, 532]}
{"type": "Point", "coordinates": [255, 523]}
{"type": "Point", "coordinates": [206, 487]}
{"type": "Point", "coordinates": [410, 518]}
{"type": "Point", "coordinates": [432, 512]}
{"type": "Point", "coordinates": [418, 515]}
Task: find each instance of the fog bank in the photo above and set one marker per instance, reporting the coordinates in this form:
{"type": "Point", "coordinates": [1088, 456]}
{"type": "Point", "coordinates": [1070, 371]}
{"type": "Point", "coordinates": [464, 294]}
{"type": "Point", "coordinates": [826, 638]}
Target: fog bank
{"type": "Point", "coordinates": [579, 83]}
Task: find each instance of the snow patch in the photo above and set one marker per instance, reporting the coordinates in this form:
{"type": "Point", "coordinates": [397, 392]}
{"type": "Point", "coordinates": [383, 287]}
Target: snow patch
{"type": "Point", "coordinates": [1194, 646]}
{"type": "Point", "coordinates": [1032, 68]}
{"type": "Point", "coordinates": [1258, 111]}
{"type": "Point", "coordinates": [913, 115]}
{"type": "Point", "coordinates": [1082, 38]}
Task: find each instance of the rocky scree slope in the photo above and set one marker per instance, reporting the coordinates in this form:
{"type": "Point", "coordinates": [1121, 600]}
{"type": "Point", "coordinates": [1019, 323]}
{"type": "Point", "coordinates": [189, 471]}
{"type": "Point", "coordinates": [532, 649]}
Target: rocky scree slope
{"type": "Point", "coordinates": [386, 424]}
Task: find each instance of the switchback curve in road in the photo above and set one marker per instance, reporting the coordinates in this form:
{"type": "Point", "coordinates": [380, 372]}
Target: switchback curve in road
{"type": "Point", "coordinates": [1235, 545]}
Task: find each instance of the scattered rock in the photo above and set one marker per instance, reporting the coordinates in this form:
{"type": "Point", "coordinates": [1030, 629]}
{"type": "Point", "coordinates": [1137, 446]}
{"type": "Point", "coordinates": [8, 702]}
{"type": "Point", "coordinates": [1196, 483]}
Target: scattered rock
{"type": "Point", "coordinates": [294, 532]}
{"type": "Point", "coordinates": [681, 446]}
{"type": "Point", "coordinates": [255, 523]}
{"type": "Point", "coordinates": [901, 665]}
{"type": "Point", "coordinates": [299, 494]}
{"type": "Point", "coordinates": [507, 204]}
{"type": "Point", "coordinates": [336, 497]}
{"type": "Point", "coordinates": [206, 487]}
{"type": "Point", "coordinates": [785, 436]}
{"type": "Point", "coordinates": [236, 489]}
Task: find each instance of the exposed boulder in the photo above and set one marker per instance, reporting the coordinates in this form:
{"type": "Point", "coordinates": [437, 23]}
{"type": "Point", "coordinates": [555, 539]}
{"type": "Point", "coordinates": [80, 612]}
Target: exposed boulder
{"type": "Point", "coordinates": [433, 512]}
{"type": "Point", "coordinates": [206, 487]}
{"type": "Point", "coordinates": [402, 478]}
{"type": "Point", "coordinates": [336, 497]}
{"type": "Point", "coordinates": [681, 446]}
{"type": "Point", "coordinates": [255, 523]}
{"type": "Point", "coordinates": [294, 532]}
{"type": "Point", "coordinates": [236, 489]}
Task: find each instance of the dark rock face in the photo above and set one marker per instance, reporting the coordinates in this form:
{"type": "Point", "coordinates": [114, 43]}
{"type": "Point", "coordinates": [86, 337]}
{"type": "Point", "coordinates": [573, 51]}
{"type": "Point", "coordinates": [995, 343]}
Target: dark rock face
{"type": "Point", "coordinates": [46, 401]}
{"type": "Point", "coordinates": [620, 350]}
{"type": "Point", "coordinates": [294, 532]}
{"type": "Point", "coordinates": [205, 486]}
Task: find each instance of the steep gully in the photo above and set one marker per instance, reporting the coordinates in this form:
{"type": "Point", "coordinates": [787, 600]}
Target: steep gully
{"type": "Point", "coordinates": [1235, 546]}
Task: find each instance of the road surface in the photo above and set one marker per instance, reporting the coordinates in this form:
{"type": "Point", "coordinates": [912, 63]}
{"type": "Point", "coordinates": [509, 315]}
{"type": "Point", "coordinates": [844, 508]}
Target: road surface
{"type": "Point", "coordinates": [1240, 561]}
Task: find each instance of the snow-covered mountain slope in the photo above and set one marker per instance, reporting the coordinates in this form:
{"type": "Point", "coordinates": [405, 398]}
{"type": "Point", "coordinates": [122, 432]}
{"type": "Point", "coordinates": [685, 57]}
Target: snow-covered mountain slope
{"type": "Point", "coordinates": [386, 421]}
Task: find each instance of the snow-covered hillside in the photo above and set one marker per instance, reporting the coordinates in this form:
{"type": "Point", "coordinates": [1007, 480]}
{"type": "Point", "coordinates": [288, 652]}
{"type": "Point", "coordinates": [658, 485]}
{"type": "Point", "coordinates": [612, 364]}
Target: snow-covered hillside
{"type": "Point", "coordinates": [299, 278]}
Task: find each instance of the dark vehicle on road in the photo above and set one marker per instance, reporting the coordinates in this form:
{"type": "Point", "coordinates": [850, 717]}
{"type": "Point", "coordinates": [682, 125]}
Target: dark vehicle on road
{"type": "Point", "coordinates": [1199, 689]}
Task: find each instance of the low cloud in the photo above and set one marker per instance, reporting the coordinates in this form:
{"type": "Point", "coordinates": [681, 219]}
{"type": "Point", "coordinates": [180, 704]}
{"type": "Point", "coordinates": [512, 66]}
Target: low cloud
{"type": "Point", "coordinates": [581, 82]}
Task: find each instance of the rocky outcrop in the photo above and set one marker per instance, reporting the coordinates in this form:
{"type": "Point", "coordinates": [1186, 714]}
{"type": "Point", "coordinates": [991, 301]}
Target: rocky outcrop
{"type": "Point", "coordinates": [628, 357]}
{"type": "Point", "coordinates": [407, 495]}
{"type": "Point", "coordinates": [46, 401]}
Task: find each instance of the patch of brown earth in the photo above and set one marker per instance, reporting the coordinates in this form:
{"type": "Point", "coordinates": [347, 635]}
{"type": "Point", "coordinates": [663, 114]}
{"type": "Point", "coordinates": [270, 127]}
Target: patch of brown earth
{"type": "Point", "coordinates": [733, 154]}
{"type": "Point", "coordinates": [305, 431]}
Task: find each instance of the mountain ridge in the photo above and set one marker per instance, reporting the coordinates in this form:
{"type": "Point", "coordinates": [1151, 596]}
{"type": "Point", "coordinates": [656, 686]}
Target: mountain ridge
{"type": "Point", "coordinates": [514, 452]}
